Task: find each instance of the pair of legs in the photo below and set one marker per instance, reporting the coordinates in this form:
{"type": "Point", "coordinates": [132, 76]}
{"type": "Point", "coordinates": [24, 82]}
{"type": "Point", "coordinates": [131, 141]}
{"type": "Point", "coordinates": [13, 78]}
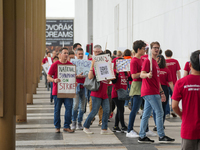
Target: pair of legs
{"type": "Point", "coordinates": [96, 103]}
{"type": "Point", "coordinates": [152, 102]}
{"type": "Point", "coordinates": [68, 111]}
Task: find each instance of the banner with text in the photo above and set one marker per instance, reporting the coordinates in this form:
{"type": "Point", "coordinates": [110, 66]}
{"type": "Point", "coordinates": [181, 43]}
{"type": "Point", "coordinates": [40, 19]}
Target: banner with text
{"type": "Point", "coordinates": [103, 67]}
{"type": "Point", "coordinates": [123, 65]}
{"type": "Point", "coordinates": [67, 86]}
{"type": "Point", "coordinates": [82, 66]}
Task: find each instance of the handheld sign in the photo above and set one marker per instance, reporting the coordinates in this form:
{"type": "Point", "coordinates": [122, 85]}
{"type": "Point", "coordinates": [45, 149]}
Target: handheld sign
{"type": "Point", "coordinates": [46, 67]}
{"type": "Point", "coordinates": [103, 67]}
{"type": "Point", "coordinates": [67, 86]}
{"type": "Point", "coordinates": [123, 65]}
{"type": "Point", "coordinates": [82, 66]}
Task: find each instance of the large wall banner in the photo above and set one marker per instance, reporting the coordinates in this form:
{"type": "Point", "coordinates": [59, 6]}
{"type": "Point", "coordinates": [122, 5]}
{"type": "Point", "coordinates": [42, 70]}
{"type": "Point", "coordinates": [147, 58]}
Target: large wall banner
{"type": "Point", "coordinates": [59, 32]}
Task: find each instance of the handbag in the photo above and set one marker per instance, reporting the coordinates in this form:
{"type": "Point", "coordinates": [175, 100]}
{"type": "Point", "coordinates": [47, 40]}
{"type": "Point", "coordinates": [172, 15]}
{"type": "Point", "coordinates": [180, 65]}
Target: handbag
{"type": "Point", "coordinates": [123, 95]}
{"type": "Point", "coordinates": [91, 84]}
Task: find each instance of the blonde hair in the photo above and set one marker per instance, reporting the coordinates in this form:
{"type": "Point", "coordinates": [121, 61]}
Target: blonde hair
{"type": "Point", "coordinates": [119, 53]}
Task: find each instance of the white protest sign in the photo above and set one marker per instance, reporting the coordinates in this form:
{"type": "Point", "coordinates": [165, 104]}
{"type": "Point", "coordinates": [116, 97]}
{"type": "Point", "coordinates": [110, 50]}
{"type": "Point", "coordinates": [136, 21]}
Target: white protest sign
{"type": "Point", "coordinates": [123, 65]}
{"type": "Point", "coordinates": [103, 67]}
{"type": "Point", "coordinates": [67, 86]}
{"type": "Point", "coordinates": [46, 67]}
{"type": "Point", "coordinates": [82, 66]}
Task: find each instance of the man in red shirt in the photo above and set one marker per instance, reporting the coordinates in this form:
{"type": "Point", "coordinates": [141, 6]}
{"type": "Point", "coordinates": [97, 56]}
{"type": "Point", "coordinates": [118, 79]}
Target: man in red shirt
{"type": "Point", "coordinates": [59, 101]}
{"type": "Point", "coordinates": [188, 89]}
{"type": "Point", "coordinates": [174, 67]}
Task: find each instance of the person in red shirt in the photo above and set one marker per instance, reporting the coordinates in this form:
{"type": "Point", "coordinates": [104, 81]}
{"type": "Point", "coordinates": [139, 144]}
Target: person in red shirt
{"type": "Point", "coordinates": [165, 81]}
{"type": "Point", "coordinates": [59, 101]}
{"type": "Point", "coordinates": [187, 69]}
{"type": "Point", "coordinates": [187, 89]}
{"type": "Point", "coordinates": [79, 101]}
{"type": "Point", "coordinates": [153, 94]}
{"type": "Point", "coordinates": [174, 67]}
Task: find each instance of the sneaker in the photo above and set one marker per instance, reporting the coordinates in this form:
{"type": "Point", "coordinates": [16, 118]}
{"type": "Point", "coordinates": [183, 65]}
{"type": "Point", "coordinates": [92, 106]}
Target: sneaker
{"type": "Point", "coordinates": [100, 124]}
{"type": "Point", "coordinates": [108, 120]}
{"type": "Point", "coordinates": [79, 126]}
{"type": "Point", "coordinates": [155, 128]}
{"type": "Point", "coordinates": [150, 133]}
{"type": "Point", "coordinates": [145, 140]}
{"type": "Point", "coordinates": [87, 131]}
{"type": "Point", "coordinates": [73, 125]}
{"type": "Point", "coordinates": [124, 129]}
{"type": "Point", "coordinates": [167, 116]}
{"type": "Point", "coordinates": [105, 132]}
{"type": "Point", "coordinates": [132, 134]}
{"type": "Point", "coordinates": [166, 139]}
{"type": "Point", "coordinates": [116, 129]}
{"type": "Point", "coordinates": [173, 115]}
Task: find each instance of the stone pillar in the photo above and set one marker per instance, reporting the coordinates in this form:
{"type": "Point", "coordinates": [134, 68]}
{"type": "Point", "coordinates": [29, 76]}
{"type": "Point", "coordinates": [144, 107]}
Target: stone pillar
{"type": "Point", "coordinates": [29, 64]}
{"type": "Point", "coordinates": [1, 58]}
{"type": "Point", "coordinates": [21, 61]}
{"type": "Point", "coordinates": [7, 122]}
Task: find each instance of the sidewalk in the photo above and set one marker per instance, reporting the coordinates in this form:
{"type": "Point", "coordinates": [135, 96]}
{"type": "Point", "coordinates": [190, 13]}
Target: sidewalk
{"type": "Point", "coordinates": [39, 132]}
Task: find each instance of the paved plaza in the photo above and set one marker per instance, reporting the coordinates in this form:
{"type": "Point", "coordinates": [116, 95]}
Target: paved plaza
{"type": "Point", "coordinates": [39, 132]}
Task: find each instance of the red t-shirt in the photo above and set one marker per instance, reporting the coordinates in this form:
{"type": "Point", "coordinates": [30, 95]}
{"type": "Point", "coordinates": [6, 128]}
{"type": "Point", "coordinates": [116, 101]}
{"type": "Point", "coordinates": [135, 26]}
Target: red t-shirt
{"type": "Point", "coordinates": [45, 60]}
{"type": "Point", "coordinates": [188, 89]}
{"type": "Point", "coordinates": [150, 86]}
{"type": "Point", "coordinates": [144, 57]}
{"type": "Point", "coordinates": [173, 66]}
{"type": "Point", "coordinates": [102, 92]}
{"type": "Point", "coordinates": [120, 84]}
{"type": "Point", "coordinates": [187, 67]}
{"type": "Point", "coordinates": [135, 67]}
{"type": "Point", "coordinates": [53, 71]}
{"type": "Point", "coordinates": [80, 80]}
{"type": "Point", "coordinates": [165, 76]}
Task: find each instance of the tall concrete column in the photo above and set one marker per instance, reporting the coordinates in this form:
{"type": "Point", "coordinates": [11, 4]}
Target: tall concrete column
{"type": "Point", "coordinates": [29, 68]}
{"type": "Point", "coordinates": [1, 58]}
{"type": "Point", "coordinates": [7, 122]}
{"type": "Point", "coordinates": [21, 61]}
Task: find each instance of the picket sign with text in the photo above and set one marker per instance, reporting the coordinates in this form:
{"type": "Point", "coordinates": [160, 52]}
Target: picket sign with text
{"type": "Point", "coordinates": [103, 67]}
{"type": "Point", "coordinates": [67, 86]}
{"type": "Point", "coordinates": [82, 66]}
{"type": "Point", "coordinates": [123, 65]}
{"type": "Point", "coordinates": [46, 67]}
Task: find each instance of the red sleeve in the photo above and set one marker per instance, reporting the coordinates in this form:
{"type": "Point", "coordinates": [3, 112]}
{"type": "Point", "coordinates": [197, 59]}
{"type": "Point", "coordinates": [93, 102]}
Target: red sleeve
{"type": "Point", "coordinates": [176, 93]}
{"type": "Point", "coordinates": [178, 66]}
{"type": "Point", "coordinates": [146, 65]}
{"type": "Point", "coordinates": [44, 61]}
{"type": "Point", "coordinates": [187, 67]}
{"type": "Point", "coordinates": [52, 69]}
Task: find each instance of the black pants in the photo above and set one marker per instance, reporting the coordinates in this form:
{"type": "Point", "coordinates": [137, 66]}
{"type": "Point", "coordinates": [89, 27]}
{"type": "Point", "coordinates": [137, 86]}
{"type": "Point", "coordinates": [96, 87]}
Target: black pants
{"type": "Point", "coordinates": [119, 117]}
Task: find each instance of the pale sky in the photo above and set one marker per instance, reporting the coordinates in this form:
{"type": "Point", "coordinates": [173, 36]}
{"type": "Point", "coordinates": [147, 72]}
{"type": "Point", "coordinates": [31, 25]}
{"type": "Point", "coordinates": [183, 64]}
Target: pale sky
{"type": "Point", "coordinates": [60, 8]}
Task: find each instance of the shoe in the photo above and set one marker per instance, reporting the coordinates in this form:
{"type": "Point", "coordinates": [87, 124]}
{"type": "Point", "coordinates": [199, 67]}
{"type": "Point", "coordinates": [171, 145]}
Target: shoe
{"type": "Point", "coordinates": [57, 130]}
{"type": "Point", "coordinates": [141, 117]}
{"type": "Point", "coordinates": [132, 134]}
{"type": "Point", "coordinates": [116, 129]}
{"type": "Point", "coordinates": [79, 126]}
{"type": "Point", "coordinates": [173, 115]}
{"type": "Point", "coordinates": [166, 139]}
{"type": "Point", "coordinates": [145, 140]}
{"type": "Point", "coordinates": [124, 129]}
{"type": "Point", "coordinates": [88, 131]}
{"type": "Point", "coordinates": [167, 116]}
{"type": "Point", "coordinates": [73, 125]}
{"type": "Point", "coordinates": [92, 121]}
{"type": "Point", "coordinates": [68, 130]}
{"type": "Point", "coordinates": [100, 124]}
{"type": "Point", "coordinates": [105, 132]}
{"type": "Point", "coordinates": [51, 100]}
{"type": "Point", "coordinates": [155, 128]}
{"type": "Point", "coordinates": [108, 120]}
{"type": "Point", "coordinates": [150, 133]}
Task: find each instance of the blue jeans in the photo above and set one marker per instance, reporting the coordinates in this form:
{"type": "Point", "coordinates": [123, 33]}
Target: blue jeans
{"type": "Point", "coordinates": [79, 102]}
{"type": "Point", "coordinates": [136, 103]}
{"type": "Point", "coordinates": [168, 109]}
{"type": "Point", "coordinates": [152, 102]}
{"type": "Point", "coordinates": [68, 111]}
{"type": "Point", "coordinates": [96, 103]}
{"type": "Point", "coordinates": [51, 96]}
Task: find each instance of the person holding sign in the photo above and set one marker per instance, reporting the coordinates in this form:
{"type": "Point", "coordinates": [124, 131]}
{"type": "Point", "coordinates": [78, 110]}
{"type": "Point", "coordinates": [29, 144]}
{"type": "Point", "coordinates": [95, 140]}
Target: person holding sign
{"type": "Point", "coordinates": [79, 101]}
{"type": "Point", "coordinates": [153, 94]}
{"type": "Point", "coordinates": [59, 101]}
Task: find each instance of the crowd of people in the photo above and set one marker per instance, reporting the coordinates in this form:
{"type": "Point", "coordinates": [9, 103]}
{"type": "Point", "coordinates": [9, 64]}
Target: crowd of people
{"type": "Point", "coordinates": [150, 83]}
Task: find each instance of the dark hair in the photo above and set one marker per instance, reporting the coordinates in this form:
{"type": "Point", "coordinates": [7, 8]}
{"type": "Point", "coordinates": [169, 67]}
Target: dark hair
{"type": "Point", "coordinates": [168, 53]}
{"type": "Point", "coordinates": [115, 52]}
{"type": "Point", "coordinates": [153, 43]}
{"type": "Point", "coordinates": [75, 45]}
{"type": "Point", "coordinates": [71, 52]}
{"type": "Point", "coordinates": [108, 52]}
{"type": "Point", "coordinates": [195, 60]}
{"type": "Point", "coordinates": [138, 44]}
{"type": "Point", "coordinates": [55, 57]}
{"type": "Point", "coordinates": [127, 52]}
{"type": "Point", "coordinates": [78, 49]}
{"type": "Point", "coordinates": [47, 52]}
{"type": "Point", "coordinates": [161, 61]}
{"type": "Point", "coordinates": [64, 48]}
{"type": "Point", "coordinates": [160, 52]}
